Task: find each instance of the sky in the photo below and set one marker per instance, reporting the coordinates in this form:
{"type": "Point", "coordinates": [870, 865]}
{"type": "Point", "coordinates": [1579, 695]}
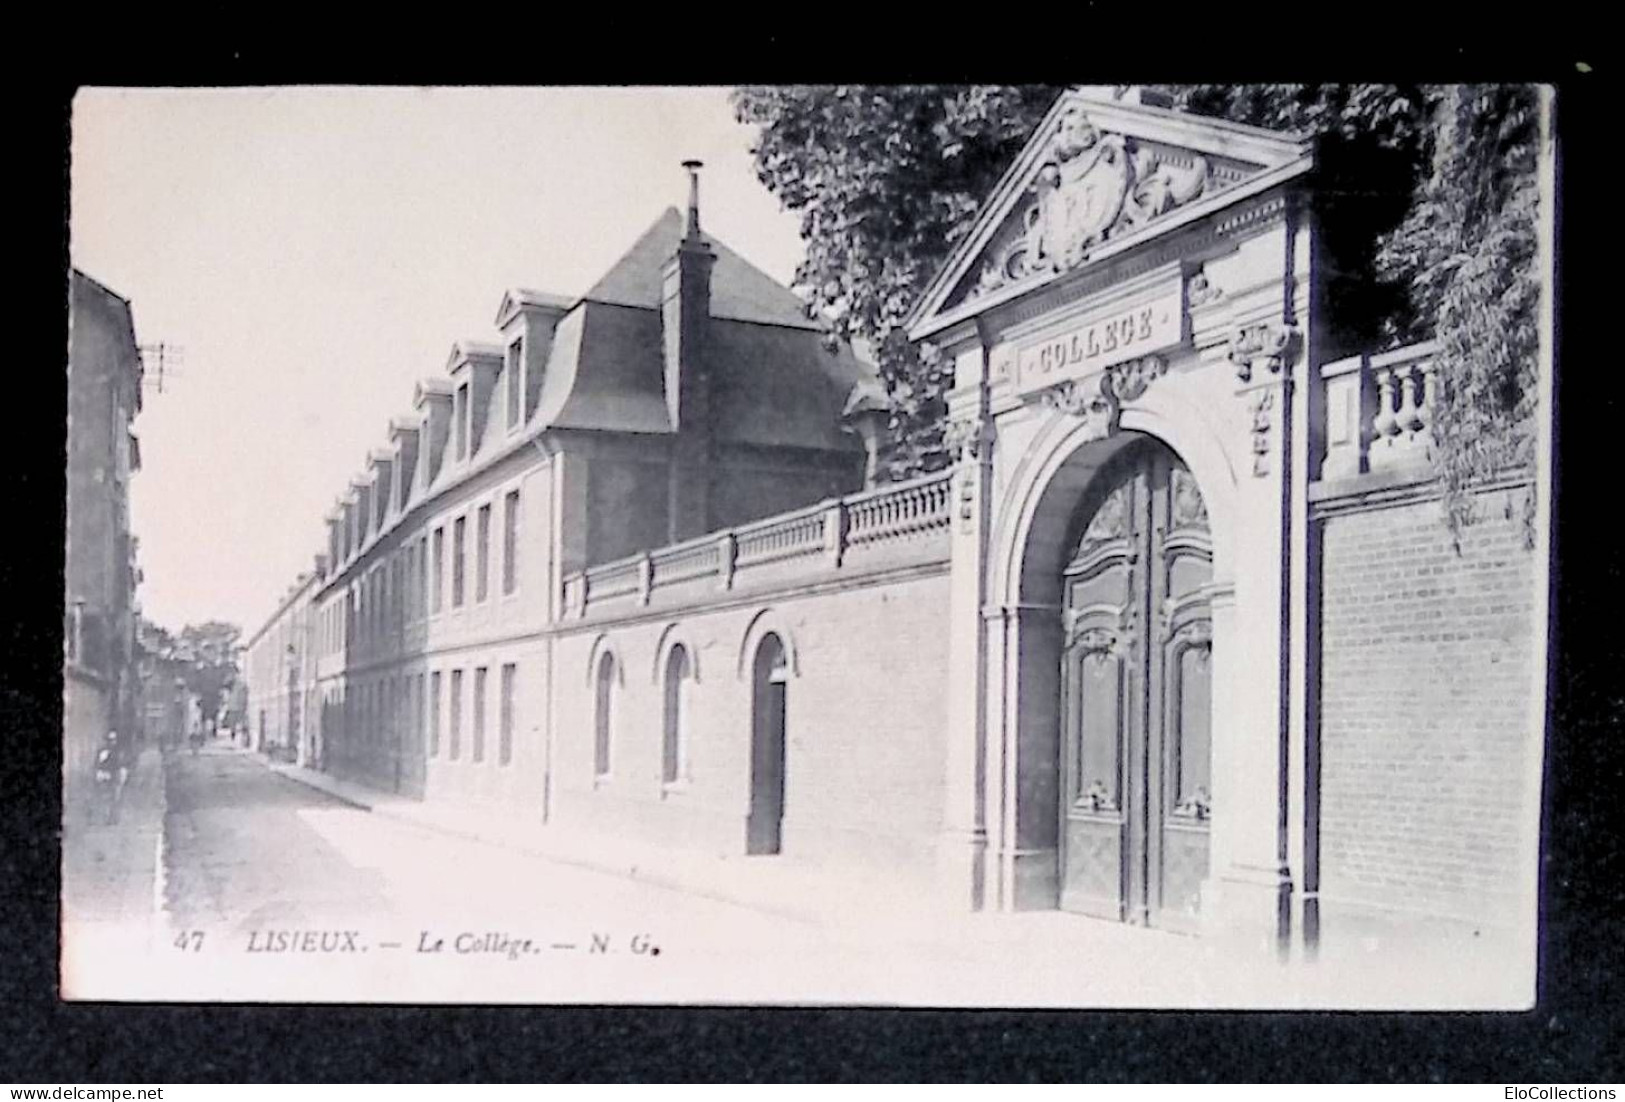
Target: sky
{"type": "Point", "coordinates": [316, 251]}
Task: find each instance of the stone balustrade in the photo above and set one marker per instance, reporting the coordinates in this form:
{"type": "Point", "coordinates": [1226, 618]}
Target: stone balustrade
{"type": "Point", "coordinates": [831, 535]}
{"type": "Point", "coordinates": [1379, 411]}
{"type": "Point", "coordinates": [684, 561]}
{"type": "Point", "coordinates": [913, 509]}
{"type": "Point", "coordinates": [783, 537]}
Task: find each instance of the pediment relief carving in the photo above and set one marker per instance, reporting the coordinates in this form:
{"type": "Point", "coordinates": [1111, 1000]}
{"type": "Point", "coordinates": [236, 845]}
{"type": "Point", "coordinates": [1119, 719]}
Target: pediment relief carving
{"type": "Point", "coordinates": [1091, 187]}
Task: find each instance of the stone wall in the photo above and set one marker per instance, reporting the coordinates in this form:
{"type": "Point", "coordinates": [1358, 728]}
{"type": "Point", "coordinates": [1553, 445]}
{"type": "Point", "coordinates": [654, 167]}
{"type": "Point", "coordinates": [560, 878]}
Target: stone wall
{"type": "Point", "coordinates": [1426, 683]}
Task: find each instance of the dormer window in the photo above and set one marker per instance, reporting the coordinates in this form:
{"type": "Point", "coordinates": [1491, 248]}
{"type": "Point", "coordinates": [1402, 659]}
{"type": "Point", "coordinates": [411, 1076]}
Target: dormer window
{"type": "Point", "coordinates": [514, 374]}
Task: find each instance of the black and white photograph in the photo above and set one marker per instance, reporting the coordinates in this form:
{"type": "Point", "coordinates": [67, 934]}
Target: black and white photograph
{"type": "Point", "coordinates": [969, 546]}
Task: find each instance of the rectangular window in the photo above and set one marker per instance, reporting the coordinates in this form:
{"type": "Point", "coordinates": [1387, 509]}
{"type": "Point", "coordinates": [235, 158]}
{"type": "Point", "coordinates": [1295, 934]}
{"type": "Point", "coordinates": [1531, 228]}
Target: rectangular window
{"type": "Point", "coordinates": [423, 591]}
{"type": "Point", "coordinates": [434, 714]}
{"type": "Point", "coordinates": [458, 560]}
{"type": "Point", "coordinates": [419, 716]}
{"type": "Point", "coordinates": [482, 568]}
{"type": "Point", "coordinates": [515, 373]}
{"type": "Point", "coordinates": [479, 713]}
{"type": "Point", "coordinates": [459, 423]}
{"type": "Point", "coordinates": [505, 731]}
{"type": "Point", "coordinates": [456, 747]}
{"type": "Point", "coordinates": [409, 582]}
{"type": "Point", "coordinates": [510, 542]}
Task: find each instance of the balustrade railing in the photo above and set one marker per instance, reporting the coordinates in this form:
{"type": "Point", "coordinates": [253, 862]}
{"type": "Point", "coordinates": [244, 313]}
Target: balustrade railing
{"type": "Point", "coordinates": [912, 509]}
{"type": "Point", "coordinates": [781, 537]}
{"type": "Point", "coordinates": [616, 579]}
{"type": "Point", "coordinates": [1379, 411]}
{"type": "Point", "coordinates": [822, 533]}
{"type": "Point", "coordinates": [676, 564]}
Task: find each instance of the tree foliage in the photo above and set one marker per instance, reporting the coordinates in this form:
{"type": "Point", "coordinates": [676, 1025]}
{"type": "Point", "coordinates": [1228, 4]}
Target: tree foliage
{"type": "Point", "coordinates": [203, 656]}
{"type": "Point", "coordinates": [887, 180]}
{"type": "Point", "coordinates": [1469, 247]}
{"type": "Point", "coordinates": [1426, 196]}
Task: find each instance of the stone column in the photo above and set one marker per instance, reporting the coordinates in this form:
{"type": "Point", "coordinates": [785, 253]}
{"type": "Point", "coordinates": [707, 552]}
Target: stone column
{"type": "Point", "coordinates": [1022, 756]}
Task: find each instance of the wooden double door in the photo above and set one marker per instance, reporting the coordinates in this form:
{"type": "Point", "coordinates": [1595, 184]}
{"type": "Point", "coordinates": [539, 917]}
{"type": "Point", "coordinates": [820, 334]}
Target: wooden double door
{"type": "Point", "coordinates": [1136, 729]}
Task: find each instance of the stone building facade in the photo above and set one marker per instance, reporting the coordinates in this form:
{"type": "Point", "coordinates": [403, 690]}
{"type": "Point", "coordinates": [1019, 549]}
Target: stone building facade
{"type": "Point", "coordinates": [1163, 645]}
{"type": "Point", "coordinates": [279, 667]}
{"type": "Point", "coordinates": [100, 690]}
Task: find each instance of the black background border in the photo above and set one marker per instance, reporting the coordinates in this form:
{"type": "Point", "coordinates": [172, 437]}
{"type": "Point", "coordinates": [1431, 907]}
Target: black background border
{"type": "Point", "coordinates": [1568, 1038]}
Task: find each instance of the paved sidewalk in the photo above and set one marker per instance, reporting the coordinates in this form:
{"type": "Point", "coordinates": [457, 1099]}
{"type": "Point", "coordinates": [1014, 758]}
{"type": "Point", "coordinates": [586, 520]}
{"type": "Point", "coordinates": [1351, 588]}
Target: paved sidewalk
{"type": "Point", "coordinates": [781, 885]}
{"type": "Point", "coordinates": [110, 870]}
{"type": "Point", "coordinates": [112, 881]}
{"type": "Point", "coordinates": [861, 939]}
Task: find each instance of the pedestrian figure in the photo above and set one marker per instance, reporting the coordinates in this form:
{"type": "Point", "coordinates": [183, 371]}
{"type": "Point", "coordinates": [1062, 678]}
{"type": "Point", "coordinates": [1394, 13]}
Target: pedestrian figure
{"type": "Point", "coordinates": [112, 771]}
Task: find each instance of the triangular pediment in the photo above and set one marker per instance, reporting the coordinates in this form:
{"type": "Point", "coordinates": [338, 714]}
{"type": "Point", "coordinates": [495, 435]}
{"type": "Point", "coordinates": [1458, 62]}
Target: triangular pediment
{"type": "Point", "coordinates": [1097, 177]}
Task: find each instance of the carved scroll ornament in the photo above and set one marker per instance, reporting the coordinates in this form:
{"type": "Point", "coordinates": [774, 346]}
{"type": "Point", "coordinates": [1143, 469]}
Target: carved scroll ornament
{"type": "Point", "coordinates": [1198, 805]}
{"type": "Point", "coordinates": [1262, 405]}
{"type": "Point", "coordinates": [1128, 381]}
{"type": "Point", "coordinates": [1098, 399]}
{"type": "Point", "coordinates": [1261, 346]}
{"type": "Point", "coordinates": [1090, 401]}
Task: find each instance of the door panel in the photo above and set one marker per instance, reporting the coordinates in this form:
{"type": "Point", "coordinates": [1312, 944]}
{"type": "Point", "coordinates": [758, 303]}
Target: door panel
{"type": "Point", "coordinates": [1136, 696]}
{"type": "Point", "coordinates": [764, 822]}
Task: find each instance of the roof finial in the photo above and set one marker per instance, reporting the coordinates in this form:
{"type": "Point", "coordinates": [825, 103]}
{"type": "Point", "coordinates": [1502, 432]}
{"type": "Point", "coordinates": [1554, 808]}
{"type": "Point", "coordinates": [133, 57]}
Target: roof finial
{"type": "Point", "coordinates": [693, 197]}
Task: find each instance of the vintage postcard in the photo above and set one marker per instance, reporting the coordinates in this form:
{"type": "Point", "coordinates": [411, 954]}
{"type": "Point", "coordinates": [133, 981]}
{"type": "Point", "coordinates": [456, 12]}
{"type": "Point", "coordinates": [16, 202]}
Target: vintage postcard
{"type": "Point", "coordinates": [882, 545]}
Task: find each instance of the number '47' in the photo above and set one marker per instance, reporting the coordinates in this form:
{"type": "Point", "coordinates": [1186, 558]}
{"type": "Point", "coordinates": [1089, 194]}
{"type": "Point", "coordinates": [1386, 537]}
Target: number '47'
{"type": "Point", "coordinates": [189, 940]}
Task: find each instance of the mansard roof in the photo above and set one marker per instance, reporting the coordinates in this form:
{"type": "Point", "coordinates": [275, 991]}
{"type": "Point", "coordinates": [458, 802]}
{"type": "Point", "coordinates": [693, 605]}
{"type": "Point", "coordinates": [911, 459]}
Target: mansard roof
{"type": "Point", "coordinates": [1098, 177]}
{"type": "Point", "coordinates": [739, 290]}
{"type": "Point", "coordinates": [776, 382]}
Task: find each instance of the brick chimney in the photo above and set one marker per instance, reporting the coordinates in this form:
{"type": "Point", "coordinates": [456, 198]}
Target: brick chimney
{"type": "Point", "coordinates": [685, 315]}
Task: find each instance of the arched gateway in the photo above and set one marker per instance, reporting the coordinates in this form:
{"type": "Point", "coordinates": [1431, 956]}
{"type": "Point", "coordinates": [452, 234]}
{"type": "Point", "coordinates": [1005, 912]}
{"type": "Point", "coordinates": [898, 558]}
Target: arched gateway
{"type": "Point", "coordinates": [1125, 323]}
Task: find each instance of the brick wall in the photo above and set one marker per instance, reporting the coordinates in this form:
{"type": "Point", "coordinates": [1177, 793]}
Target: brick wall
{"type": "Point", "coordinates": [866, 716]}
{"type": "Point", "coordinates": [1425, 692]}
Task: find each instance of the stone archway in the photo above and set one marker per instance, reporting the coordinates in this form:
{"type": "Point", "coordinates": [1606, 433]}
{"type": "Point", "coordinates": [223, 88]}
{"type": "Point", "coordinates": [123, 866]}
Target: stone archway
{"type": "Point", "coordinates": [1036, 532]}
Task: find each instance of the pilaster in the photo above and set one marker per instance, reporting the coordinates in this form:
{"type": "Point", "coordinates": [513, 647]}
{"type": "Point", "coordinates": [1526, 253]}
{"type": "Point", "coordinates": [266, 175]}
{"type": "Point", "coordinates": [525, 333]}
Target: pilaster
{"type": "Point", "coordinates": [1248, 896]}
{"type": "Point", "coordinates": [970, 440]}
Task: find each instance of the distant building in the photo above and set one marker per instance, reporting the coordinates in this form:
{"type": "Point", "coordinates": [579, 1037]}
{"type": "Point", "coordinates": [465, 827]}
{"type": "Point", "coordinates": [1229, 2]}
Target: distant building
{"type": "Point", "coordinates": [104, 395]}
{"type": "Point", "coordinates": [278, 703]}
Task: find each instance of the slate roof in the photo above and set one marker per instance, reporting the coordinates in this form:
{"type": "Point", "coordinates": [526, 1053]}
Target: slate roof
{"type": "Point", "coordinates": [739, 290]}
{"type": "Point", "coordinates": [774, 383]}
